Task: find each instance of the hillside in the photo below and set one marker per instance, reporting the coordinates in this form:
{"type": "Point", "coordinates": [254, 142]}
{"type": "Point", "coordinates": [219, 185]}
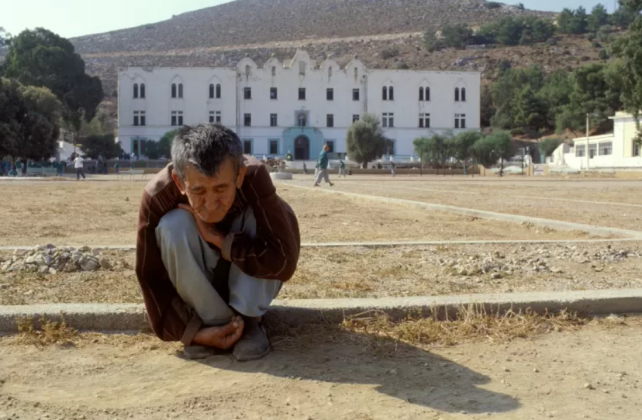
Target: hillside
{"type": "Point", "coordinates": [250, 21]}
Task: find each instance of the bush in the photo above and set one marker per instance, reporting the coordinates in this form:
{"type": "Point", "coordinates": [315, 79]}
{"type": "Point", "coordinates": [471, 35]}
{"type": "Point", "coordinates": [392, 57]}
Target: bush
{"type": "Point", "coordinates": [604, 33]}
{"type": "Point", "coordinates": [596, 45]}
{"type": "Point", "coordinates": [493, 5]}
{"type": "Point", "coordinates": [520, 6]}
{"type": "Point", "coordinates": [389, 53]}
{"type": "Point", "coordinates": [402, 66]}
{"type": "Point", "coordinates": [517, 131]}
{"type": "Point", "coordinates": [604, 55]}
{"type": "Point", "coordinates": [432, 42]}
{"type": "Point", "coordinates": [591, 37]}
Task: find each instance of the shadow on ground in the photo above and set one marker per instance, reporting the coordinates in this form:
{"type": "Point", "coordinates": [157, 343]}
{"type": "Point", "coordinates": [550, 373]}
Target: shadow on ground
{"type": "Point", "coordinates": [396, 369]}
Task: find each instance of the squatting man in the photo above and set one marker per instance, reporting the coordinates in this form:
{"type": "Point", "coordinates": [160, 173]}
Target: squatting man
{"type": "Point", "coordinates": [215, 244]}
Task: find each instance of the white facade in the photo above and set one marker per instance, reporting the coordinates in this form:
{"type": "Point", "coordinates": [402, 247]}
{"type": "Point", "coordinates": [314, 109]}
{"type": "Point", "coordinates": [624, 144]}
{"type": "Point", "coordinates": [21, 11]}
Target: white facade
{"type": "Point", "coordinates": [611, 151]}
{"type": "Point", "coordinates": [290, 108]}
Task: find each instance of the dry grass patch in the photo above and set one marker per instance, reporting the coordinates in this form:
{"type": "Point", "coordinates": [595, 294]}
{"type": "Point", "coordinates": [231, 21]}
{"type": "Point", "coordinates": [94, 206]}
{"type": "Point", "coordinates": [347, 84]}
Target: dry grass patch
{"type": "Point", "coordinates": [383, 336]}
{"type": "Point", "coordinates": [48, 332]}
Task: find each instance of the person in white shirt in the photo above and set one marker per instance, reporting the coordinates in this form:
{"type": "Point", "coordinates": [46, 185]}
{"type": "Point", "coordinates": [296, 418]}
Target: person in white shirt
{"type": "Point", "coordinates": [78, 165]}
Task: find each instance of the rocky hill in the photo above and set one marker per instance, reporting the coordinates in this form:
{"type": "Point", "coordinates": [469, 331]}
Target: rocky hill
{"type": "Point", "coordinates": [243, 22]}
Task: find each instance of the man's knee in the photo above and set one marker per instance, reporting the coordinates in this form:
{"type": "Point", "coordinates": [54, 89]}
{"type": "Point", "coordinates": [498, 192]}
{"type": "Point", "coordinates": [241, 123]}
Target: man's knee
{"type": "Point", "coordinates": [176, 224]}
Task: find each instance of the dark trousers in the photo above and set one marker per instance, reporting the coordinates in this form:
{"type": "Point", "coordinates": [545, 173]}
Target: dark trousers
{"type": "Point", "coordinates": [79, 172]}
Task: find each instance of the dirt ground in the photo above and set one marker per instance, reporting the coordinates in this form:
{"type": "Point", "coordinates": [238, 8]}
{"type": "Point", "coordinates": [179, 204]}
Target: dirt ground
{"type": "Point", "coordinates": [595, 202]}
{"type": "Point", "coordinates": [590, 373]}
{"type": "Point", "coordinates": [379, 272]}
{"type": "Point", "coordinates": [106, 213]}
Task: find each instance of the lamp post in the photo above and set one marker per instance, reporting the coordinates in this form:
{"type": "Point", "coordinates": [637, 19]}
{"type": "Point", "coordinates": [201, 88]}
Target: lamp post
{"type": "Point", "coordinates": [587, 141]}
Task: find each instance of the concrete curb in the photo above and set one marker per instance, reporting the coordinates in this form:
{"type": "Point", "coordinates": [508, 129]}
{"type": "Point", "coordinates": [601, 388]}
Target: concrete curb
{"type": "Point", "coordinates": [489, 215]}
{"type": "Point", "coordinates": [385, 244]}
{"type": "Point", "coordinates": [293, 313]}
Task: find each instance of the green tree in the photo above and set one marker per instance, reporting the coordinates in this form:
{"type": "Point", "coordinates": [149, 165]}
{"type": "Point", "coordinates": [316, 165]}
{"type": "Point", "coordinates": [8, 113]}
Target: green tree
{"type": "Point", "coordinates": [462, 145]}
{"type": "Point", "coordinates": [456, 36]}
{"type": "Point", "coordinates": [493, 148]}
{"type": "Point", "coordinates": [564, 20]}
{"type": "Point", "coordinates": [555, 93]}
{"type": "Point", "coordinates": [579, 23]}
{"type": "Point", "coordinates": [42, 58]}
{"type": "Point", "coordinates": [365, 140]}
{"type": "Point", "coordinates": [598, 18]}
{"type": "Point", "coordinates": [4, 37]}
{"type": "Point", "coordinates": [97, 145]}
{"type": "Point", "coordinates": [624, 15]}
{"type": "Point", "coordinates": [506, 91]}
{"type": "Point", "coordinates": [434, 149]}
{"type": "Point", "coordinates": [152, 149]}
{"type": "Point", "coordinates": [165, 143]}
{"type": "Point", "coordinates": [29, 121]}
{"type": "Point", "coordinates": [548, 146]}
{"type": "Point", "coordinates": [530, 110]}
{"type": "Point", "coordinates": [629, 68]}
{"type": "Point", "coordinates": [432, 42]}
{"type": "Point", "coordinates": [592, 94]}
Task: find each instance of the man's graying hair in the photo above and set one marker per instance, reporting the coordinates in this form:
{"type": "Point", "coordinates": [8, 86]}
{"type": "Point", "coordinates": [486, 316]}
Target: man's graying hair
{"type": "Point", "coordinates": [205, 147]}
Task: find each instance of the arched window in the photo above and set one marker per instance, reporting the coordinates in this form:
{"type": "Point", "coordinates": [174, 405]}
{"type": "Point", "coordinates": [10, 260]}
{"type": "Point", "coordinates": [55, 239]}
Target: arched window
{"type": "Point", "coordinates": [273, 70]}
{"type": "Point", "coordinates": [427, 96]}
{"type": "Point", "coordinates": [356, 74]}
{"type": "Point", "coordinates": [384, 93]}
{"type": "Point", "coordinates": [301, 120]}
{"type": "Point", "coordinates": [173, 90]}
{"type": "Point", "coordinates": [301, 68]}
{"type": "Point", "coordinates": [329, 73]}
{"type": "Point", "coordinates": [456, 94]}
{"type": "Point", "coordinates": [421, 94]}
{"type": "Point", "coordinates": [391, 93]}
{"type": "Point", "coordinates": [247, 70]}
{"type": "Point", "coordinates": [142, 90]}
{"type": "Point", "coordinates": [180, 90]}
{"type": "Point", "coordinates": [218, 91]}
{"type": "Point", "coordinates": [463, 94]}
{"type": "Point", "coordinates": [211, 91]}
{"type": "Point", "coordinates": [135, 90]}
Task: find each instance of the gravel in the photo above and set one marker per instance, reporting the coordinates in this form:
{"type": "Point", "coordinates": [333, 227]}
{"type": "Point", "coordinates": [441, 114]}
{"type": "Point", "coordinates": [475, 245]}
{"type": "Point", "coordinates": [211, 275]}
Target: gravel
{"type": "Point", "coordinates": [48, 259]}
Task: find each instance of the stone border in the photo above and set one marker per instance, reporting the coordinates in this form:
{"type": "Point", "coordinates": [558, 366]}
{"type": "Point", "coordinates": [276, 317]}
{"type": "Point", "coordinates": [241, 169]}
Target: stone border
{"type": "Point", "coordinates": [292, 313]}
{"type": "Point", "coordinates": [489, 215]}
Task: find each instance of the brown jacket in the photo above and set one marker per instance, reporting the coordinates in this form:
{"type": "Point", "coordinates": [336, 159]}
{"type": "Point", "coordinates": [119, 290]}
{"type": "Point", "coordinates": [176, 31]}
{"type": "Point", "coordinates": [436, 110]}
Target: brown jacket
{"type": "Point", "coordinates": [273, 254]}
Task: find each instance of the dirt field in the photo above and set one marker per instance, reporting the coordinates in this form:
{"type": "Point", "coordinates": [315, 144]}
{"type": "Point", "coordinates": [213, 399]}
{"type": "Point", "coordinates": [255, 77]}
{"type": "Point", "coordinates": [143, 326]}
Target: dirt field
{"type": "Point", "coordinates": [380, 272]}
{"type": "Point", "coordinates": [591, 373]}
{"type": "Point", "coordinates": [106, 213]}
{"type": "Point", "coordinates": [602, 203]}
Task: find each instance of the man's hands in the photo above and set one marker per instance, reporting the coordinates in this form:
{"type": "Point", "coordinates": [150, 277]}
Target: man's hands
{"type": "Point", "coordinates": [206, 229]}
{"type": "Point", "coordinates": [222, 337]}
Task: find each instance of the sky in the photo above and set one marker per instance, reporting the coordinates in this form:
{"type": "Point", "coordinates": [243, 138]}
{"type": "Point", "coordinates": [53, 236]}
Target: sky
{"type": "Point", "coordinates": [70, 18]}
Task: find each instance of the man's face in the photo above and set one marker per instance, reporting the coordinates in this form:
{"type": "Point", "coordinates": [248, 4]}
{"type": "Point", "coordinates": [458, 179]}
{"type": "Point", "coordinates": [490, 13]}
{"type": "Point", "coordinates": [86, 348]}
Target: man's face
{"type": "Point", "coordinates": [211, 197]}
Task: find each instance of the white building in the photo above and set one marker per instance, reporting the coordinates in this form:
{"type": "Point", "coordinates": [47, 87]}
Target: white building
{"type": "Point", "coordinates": [295, 107]}
{"type": "Point", "coordinates": [611, 151]}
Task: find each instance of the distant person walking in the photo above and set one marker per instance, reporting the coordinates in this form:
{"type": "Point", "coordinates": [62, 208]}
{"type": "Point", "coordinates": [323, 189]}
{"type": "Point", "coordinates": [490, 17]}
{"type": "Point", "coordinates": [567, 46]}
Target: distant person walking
{"type": "Point", "coordinates": [305, 169]}
{"type": "Point", "coordinates": [342, 169]}
{"type": "Point", "coordinates": [393, 168]}
{"type": "Point", "coordinates": [322, 163]}
{"type": "Point", "coordinates": [78, 164]}
{"type": "Point", "coordinates": [117, 167]}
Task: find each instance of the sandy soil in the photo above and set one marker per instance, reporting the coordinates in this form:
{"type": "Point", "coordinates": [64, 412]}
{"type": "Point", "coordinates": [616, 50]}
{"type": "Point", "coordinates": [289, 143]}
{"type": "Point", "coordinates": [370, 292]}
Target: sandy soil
{"type": "Point", "coordinates": [590, 202]}
{"type": "Point", "coordinates": [106, 213]}
{"type": "Point", "coordinates": [593, 373]}
{"type": "Point", "coordinates": [381, 272]}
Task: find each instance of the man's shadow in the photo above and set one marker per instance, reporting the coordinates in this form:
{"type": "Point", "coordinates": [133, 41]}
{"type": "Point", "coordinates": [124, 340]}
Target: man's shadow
{"type": "Point", "coordinates": [397, 369]}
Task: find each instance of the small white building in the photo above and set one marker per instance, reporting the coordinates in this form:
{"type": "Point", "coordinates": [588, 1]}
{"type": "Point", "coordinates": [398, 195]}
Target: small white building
{"type": "Point", "coordinates": [611, 151]}
{"type": "Point", "coordinates": [296, 107]}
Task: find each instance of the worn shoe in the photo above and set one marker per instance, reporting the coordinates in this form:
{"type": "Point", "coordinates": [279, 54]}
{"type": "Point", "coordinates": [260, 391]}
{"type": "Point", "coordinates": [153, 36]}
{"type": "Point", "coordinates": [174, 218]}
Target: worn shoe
{"type": "Point", "coordinates": [254, 343]}
{"type": "Point", "coordinates": [195, 352]}
{"type": "Point", "coordinates": [316, 185]}
{"type": "Point", "coordinates": [331, 184]}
